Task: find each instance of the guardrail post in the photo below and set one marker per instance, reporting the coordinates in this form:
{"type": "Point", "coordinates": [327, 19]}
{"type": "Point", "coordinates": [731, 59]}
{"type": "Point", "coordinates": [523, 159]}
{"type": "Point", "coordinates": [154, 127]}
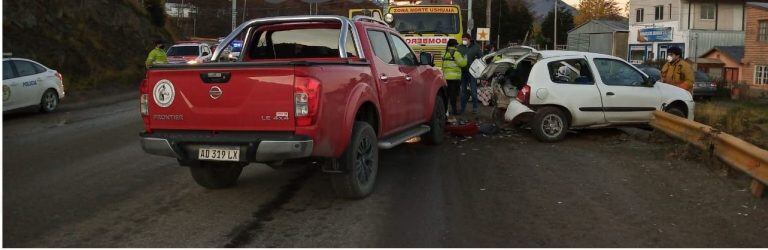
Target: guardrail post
{"type": "Point", "coordinates": [757, 188]}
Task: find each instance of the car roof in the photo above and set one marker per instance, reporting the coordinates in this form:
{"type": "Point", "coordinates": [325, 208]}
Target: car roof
{"type": "Point", "coordinates": [187, 44]}
{"type": "Point", "coordinates": [560, 53]}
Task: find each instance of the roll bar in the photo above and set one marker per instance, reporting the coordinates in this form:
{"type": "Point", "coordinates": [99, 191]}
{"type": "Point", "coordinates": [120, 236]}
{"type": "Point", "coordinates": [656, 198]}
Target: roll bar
{"type": "Point", "coordinates": [346, 25]}
{"type": "Point", "coordinates": [369, 19]}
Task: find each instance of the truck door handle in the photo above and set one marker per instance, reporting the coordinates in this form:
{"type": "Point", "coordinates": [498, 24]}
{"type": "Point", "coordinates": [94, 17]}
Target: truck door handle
{"type": "Point", "coordinates": [408, 78]}
{"type": "Point", "coordinates": [610, 93]}
{"type": "Point", "coordinates": [383, 77]}
{"type": "Point", "coordinates": [215, 77]}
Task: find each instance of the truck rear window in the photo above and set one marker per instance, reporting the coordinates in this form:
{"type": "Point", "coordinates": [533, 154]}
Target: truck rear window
{"type": "Point", "coordinates": [300, 43]}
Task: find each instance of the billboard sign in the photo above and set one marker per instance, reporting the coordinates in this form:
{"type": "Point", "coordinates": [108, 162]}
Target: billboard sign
{"type": "Point", "coordinates": [656, 34]}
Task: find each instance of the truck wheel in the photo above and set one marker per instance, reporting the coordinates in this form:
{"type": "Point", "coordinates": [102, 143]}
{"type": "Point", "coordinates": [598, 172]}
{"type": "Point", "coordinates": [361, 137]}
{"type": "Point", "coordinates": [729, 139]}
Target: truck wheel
{"type": "Point", "coordinates": [216, 175]}
{"type": "Point", "coordinates": [49, 101]}
{"type": "Point", "coordinates": [436, 124]}
{"type": "Point", "coordinates": [550, 124]}
{"type": "Point", "coordinates": [359, 163]}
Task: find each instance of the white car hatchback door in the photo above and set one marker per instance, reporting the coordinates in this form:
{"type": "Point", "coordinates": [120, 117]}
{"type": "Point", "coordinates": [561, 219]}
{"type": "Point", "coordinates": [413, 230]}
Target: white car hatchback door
{"type": "Point", "coordinates": [627, 98]}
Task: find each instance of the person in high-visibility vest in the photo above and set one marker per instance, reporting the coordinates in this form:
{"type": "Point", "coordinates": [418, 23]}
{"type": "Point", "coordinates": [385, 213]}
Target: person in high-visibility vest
{"type": "Point", "coordinates": [453, 61]}
{"type": "Point", "coordinates": [157, 55]}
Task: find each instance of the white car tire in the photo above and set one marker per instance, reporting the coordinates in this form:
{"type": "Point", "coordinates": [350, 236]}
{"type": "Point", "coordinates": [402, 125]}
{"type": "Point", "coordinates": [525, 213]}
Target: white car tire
{"type": "Point", "coordinates": [49, 101]}
{"type": "Point", "coordinates": [550, 124]}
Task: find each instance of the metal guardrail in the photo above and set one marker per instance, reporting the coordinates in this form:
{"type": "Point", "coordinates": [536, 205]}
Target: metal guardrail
{"type": "Point", "coordinates": [731, 150]}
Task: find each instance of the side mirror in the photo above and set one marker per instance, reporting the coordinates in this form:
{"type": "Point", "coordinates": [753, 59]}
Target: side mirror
{"type": "Point", "coordinates": [389, 18]}
{"type": "Point", "coordinates": [650, 81]}
{"type": "Point", "coordinates": [425, 58]}
{"type": "Point", "coordinates": [205, 53]}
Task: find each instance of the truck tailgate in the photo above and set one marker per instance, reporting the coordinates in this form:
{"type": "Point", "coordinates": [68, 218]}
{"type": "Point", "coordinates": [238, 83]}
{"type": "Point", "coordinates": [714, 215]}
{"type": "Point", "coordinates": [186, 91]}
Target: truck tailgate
{"type": "Point", "coordinates": [221, 99]}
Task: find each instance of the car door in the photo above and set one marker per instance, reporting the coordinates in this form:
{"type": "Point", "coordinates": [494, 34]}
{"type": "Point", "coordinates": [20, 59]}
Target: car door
{"type": "Point", "coordinates": [391, 82]}
{"type": "Point", "coordinates": [626, 97]}
{"type": "Point", "coordinates": [28, 82]}
{"type": "Point", "coordinates": [408, 65]}
{"type": "Point", "coordinates": [573, 86]}
{"type": "Point", "coordinates": [11, 86]}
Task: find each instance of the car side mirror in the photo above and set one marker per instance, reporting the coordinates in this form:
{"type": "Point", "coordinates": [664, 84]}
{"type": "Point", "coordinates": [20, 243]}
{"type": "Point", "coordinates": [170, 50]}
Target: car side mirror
{"type": "Point", "coordinates": [205, 53]}
{"type": "Point", "coordinates": [651, 81]}
{"type": "Point", "coordinates": [425, 58]}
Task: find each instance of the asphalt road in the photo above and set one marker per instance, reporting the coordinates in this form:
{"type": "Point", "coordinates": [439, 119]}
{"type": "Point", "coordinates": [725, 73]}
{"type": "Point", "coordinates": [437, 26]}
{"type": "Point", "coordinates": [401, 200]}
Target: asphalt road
{"type": "Point", "coordinates": [78, 178]}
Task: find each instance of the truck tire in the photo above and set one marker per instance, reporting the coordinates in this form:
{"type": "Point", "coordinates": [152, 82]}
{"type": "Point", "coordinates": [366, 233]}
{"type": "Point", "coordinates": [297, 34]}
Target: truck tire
{"type": "Point", "coordinates": [359, 164]}
{"type": "Point", "coordinates": [550, 124]}
{"type": "Point", "coordinates": [49, 101]}
{"type": "Point", "coordinates": [436, 134]}
{"type": "Point", "coordinates": [216, 175]}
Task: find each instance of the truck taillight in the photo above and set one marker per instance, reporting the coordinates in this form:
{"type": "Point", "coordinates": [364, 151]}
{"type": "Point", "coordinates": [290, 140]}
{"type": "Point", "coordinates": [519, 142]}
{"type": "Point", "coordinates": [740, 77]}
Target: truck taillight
{"type": "Point", "coordinates": [306, 100]}
{"type": "Point", "coordinates": [524, 94]}
{"type": "Point", "coordinates": [144, 104]}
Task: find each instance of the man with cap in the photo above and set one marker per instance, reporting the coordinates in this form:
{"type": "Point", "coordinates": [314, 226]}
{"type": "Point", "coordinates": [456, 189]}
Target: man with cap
{"type": "Point", "coordinates": [470, 51]}
{"type": "Point", "coordinates": [677, 71]}
{"type": "Point", "coordinates": [157, 55]}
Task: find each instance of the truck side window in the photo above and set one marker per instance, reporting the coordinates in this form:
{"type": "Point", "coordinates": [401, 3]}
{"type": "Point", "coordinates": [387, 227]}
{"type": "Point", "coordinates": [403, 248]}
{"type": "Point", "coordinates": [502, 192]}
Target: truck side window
{"type": "Point", "coordinates": [350, 46]}
{"type": "Point", "coordinates": [381, 46]}
{"type": "Point", "coordinates": [616, 73]}
{"type": "Point", "coordinates": [570, 71]}
{"type": "Point", "coordinates": [404, 54]}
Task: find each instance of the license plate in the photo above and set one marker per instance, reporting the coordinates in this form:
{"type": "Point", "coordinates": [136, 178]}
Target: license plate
{"type": "Point", "coordinates": [219, 153]}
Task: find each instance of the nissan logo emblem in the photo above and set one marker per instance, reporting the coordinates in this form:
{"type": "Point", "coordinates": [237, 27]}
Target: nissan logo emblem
{"type": "Point", "coordinates": [215, 92]}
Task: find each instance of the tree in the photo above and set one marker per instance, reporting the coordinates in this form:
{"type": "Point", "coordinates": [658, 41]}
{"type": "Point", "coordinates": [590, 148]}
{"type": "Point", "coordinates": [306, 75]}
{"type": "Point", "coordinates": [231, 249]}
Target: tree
{"type": "Point", "coordinates": [564, 24]}
{"type": "Point", "coordinates": [156, 9]}
{"type": "Point", "coordinates": [598, 9]}
{"type": "Point", "coordinates": [510, 20]}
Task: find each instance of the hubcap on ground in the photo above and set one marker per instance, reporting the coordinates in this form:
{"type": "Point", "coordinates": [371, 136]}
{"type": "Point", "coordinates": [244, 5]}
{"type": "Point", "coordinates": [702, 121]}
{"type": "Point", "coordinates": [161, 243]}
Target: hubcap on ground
{"type": "Point", "coordinates": [364, 160]}
{"type": "Point", "coordinates": [552, 125]}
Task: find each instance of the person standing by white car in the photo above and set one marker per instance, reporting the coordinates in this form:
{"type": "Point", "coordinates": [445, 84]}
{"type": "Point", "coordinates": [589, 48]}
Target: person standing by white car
{"type": "Point", "coordinates": [28, 83]}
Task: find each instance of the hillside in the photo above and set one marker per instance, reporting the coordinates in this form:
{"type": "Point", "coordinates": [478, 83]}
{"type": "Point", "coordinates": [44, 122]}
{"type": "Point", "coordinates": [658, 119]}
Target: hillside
{"type": "Point", "coordinates": [540, 8]}
{"type": "Point", "coordinates": [94, 44]}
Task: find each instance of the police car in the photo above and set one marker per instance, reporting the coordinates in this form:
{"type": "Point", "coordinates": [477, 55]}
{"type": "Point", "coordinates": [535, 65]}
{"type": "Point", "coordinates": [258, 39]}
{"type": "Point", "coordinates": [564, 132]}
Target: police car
{"type": "Point", "coordinates": [28, 83]}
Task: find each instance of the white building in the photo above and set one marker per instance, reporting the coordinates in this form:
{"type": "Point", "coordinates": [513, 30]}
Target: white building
{"type": "Point", "coordinates": [696, 26]}
{"type": "Point", "coordinates": [179, 10]}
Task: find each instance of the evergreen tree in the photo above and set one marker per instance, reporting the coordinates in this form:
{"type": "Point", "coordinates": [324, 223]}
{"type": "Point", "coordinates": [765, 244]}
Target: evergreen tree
{"type": "Point", "coordinates": [156, 9]}
{"type": "Point", "coordinates": [564, 24]}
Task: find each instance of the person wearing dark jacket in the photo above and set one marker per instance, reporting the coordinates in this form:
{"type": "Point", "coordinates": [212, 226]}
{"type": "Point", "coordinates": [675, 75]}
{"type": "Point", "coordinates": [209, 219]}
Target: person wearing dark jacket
{"type": "Point", "coordinates": [471, 51]}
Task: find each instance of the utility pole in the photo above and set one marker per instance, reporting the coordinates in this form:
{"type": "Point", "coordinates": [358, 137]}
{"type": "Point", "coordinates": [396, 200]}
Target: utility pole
{"type": "Point", "coordinates": [234, 14]}
{"type": "Point", "coordinates": [470, 21]}
{"type": "Point", "coordinates": [245, 3]}
{"type": "Point", "coordinates": [555, 35]}
{"type": "Point", "coordinates": [488, 20]}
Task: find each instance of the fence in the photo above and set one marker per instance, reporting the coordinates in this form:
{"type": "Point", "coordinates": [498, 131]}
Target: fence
{"type": "Point", "coordinates": [732, 151]}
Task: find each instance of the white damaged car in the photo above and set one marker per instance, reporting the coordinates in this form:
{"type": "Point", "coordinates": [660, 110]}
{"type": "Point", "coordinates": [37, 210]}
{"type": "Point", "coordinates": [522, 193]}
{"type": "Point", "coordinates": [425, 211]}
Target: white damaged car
{"type": "Point", "coordinates": [554, 91]}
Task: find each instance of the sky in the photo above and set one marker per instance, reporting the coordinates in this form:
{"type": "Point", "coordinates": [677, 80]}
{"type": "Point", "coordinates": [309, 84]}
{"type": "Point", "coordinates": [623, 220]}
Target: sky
{"type": "Point", "coordinates": [575, 3]}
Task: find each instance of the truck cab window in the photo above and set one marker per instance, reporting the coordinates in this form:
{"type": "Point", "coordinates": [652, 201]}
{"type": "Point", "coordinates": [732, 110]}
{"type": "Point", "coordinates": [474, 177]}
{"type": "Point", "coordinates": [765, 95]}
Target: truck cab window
{"type": "Point", "coordinates": [381, 46]}
{"type": "Point", "coordinates": [298, 43]}
{"type": "Point", "coordinates": [404, 54]}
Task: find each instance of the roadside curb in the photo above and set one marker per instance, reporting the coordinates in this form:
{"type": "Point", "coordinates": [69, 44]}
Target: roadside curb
{"type": "Point", "coordinates": [84, 102]}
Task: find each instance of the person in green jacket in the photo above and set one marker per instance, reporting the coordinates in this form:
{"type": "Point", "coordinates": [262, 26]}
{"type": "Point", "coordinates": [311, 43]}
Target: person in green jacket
{"type": "Point", "coordinates": [157, 55]}
{"type": "Point", "coordinates": [453, 61]}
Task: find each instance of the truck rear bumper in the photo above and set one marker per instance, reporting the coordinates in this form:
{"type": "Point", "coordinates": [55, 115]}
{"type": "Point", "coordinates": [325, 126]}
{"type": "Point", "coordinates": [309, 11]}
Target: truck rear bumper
{"type": "Point", "coordinates": [253, 148]}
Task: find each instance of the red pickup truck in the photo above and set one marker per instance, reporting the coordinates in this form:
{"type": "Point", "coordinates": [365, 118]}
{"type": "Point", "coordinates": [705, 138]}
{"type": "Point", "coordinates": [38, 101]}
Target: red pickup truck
{"type": "Point", "coordinates": [322, 87]}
